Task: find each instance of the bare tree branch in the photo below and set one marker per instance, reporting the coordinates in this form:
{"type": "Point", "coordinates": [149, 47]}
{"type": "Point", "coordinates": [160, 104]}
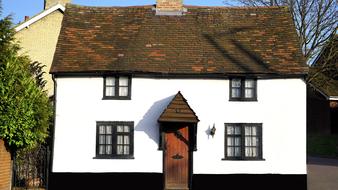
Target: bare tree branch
{"type": "Point", "coordinates": [314, 20]}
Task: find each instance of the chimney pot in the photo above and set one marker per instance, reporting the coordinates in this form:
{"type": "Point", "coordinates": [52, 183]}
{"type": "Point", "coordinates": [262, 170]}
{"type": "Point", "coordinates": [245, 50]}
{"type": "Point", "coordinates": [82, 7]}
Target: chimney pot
{"type": "Point", "coordinates": [26, 18]}
{"type": "Point", "coordinates": [51, 3]}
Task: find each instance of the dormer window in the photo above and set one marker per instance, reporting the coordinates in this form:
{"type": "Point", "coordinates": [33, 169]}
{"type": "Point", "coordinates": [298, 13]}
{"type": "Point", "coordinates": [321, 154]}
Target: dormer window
{"type": "Point", "coordinates": [117, 87]}
{"type": "Point", "coordinates": [242, 89]}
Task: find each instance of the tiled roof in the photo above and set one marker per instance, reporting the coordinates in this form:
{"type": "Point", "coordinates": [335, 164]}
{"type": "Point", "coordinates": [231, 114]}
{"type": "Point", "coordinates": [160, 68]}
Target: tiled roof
{"type": "Point", "coordinates": [206, 40]}
{"type": "Point", "coordinates": [178, 110]}
{"type": "Point", "coordinates": [324, 83]}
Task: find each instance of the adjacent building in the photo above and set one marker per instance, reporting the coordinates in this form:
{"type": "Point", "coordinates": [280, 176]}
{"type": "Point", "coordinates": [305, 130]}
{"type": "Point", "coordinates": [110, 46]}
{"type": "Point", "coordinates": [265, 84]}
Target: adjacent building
{"type": "Point", "coordinates": [323, 90]}
{"type": "Point", "coordinates": [38, 36]}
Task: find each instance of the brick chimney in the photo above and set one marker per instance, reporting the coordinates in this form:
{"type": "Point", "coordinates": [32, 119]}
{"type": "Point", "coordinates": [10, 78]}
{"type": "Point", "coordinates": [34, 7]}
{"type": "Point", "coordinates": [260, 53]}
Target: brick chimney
{"type": "Point", "coordinates": [169, 7]}
{"type": "Point", "coordinates": [51, 3]}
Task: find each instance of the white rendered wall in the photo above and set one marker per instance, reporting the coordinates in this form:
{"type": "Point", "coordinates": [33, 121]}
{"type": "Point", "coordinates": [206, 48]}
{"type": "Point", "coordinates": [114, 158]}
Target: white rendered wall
{"type": "Point", "coordinates": [281, 108]}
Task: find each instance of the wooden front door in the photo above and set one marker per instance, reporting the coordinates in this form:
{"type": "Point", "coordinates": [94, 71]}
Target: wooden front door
{"type": "Point", "coordinates": [176, 158]}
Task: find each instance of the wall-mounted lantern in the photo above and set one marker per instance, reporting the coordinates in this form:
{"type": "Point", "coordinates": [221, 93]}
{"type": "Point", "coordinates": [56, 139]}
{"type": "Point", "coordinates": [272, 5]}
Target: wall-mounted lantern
{"type": "Point", "coordinates": [213, 131]}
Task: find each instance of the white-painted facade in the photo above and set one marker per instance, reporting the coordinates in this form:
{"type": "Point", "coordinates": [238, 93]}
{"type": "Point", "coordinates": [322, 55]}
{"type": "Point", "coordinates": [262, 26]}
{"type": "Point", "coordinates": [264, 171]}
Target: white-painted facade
{"type": "Point", "coordinates": [281, 108]}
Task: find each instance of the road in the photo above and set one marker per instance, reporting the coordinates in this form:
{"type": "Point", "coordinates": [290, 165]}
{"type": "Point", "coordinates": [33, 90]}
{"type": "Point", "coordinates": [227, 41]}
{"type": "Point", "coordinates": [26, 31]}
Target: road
{"type": "Point", "coordinates": [322, 173]}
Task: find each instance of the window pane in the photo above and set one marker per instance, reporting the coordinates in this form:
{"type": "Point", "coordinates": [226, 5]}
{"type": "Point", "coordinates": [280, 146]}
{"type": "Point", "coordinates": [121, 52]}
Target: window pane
{"type": "Point", "coordinates": [126, 139]}
{"type": "Point", "coordinates": [230, 141]}
{"type": "Point", "coordinates": [123, 81]}
{"type": "Point", "coordinates": [101, 129]}
{"type": "Point", "coordinates": [249, 93]}
{"type": "Point", "coordinates": [248, 151]}
{"type": "Point", "coordinates": [109, 149]}
{"type": "Point", "coordinates": [255, 152]}
{"type": "Point", "coordinates": [126, 150]}
{"type": "Point", "coordinates": [101, 149]}
{"type": "Point", "coordinates": [108, 139]}
{"type": "Point", "coordinates": [235, 92]}
{"type": "Point", "coordinates": [247, 130]}
{"type": "Point", "coordinates": [101, 139]}
{"type": "Point", "coordinates": [254, 130]}
{"type": "Point", "coordinates": [255, 141]}
{"type": "Point", "coordinates": [236, 82]}
{"type": "Point", "coordinates": [110, 81]}
{"type": "Point", "coordinates": [119, 128]}
{"type": "Point", "coordinates": [126, 129]}
{"type": "Point", "coordinates": [249, 83]}
{"type": "Point", "coordinates": [230, 130]}
{"type": "Point", "coordinates": [251, 152]}
{"type": "Point", "coordinates": [237, 130]}
{"type": "Point", "coordinates": [237, 151]}
{"type": "Point", "coordinates": [110, 91]}
{"type": "Point", "coordinates": [123, 91]}
{"type": "Point", "coordinates": [248, 141]}
{"type": "Point", "coordinates": [238, 141]}
{"type": "Point", "coordinates": [108, 129]}
{"type": "Point", "coordinates": [119, 149]}
{"type": "Point", "coordinates": [119, 139]}
{"type": "Point", "coordinates": [230, 151]}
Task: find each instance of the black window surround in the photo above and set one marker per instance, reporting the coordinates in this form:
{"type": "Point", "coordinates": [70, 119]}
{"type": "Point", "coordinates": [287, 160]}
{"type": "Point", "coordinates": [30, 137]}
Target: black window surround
{"type": "Point", "coordinates": [113, 89]}
{"type": "Point", "coordinates": [114, 140]}
{"type": "Point", "coordinates": [240, 92]}
{"type": "Point", "coordinates": [244, 142]}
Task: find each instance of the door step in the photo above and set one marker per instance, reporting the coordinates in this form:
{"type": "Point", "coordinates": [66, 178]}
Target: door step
{"type": "Point", "coordinates": [176, 188]}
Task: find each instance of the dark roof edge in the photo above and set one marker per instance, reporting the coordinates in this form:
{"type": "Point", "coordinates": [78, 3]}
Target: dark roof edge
{"type": "Point", "coordinates": [71, 5]}
{"type": "Point", "coordinates": [180, 75]}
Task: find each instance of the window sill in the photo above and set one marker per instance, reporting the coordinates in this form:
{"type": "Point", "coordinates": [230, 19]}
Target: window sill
{"type": "Point", "coordinates": [243, 100]}
{"type": "Point", "coordinates": [115, 98]}
{"type": "Point", "coordinates": [243, 159]}
{"type": "Point", "coordinates": [115, 157]}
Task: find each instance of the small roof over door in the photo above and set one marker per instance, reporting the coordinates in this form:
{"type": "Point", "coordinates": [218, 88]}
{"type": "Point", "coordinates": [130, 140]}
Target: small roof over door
{"type": "Point", "coordinates": [178, 110]}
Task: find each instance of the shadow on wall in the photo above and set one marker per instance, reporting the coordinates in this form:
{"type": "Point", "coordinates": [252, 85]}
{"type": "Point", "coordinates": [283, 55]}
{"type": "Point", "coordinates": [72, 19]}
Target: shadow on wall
{"type": "Point", "coordinates": [149, 120]}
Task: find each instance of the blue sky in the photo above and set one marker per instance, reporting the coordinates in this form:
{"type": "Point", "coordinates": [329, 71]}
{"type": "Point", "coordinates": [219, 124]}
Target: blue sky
{"type": "Point", "coordinates": [21, 8]}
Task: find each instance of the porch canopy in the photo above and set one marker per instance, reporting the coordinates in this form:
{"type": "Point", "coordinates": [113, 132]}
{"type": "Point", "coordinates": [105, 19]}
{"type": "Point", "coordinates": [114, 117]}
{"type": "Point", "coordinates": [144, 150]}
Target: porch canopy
{"type": "Point", "coordinates": [178, 110]}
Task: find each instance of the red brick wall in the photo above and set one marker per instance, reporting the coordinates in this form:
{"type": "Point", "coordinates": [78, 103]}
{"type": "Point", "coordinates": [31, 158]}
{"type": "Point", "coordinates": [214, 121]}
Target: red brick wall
{"type": "Point", "coordinates": [5, 167]}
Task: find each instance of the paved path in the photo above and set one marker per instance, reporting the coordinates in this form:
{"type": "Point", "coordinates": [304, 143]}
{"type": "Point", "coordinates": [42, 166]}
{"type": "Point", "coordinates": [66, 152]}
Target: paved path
{"type": "Point", "coordinates": [322, 173]}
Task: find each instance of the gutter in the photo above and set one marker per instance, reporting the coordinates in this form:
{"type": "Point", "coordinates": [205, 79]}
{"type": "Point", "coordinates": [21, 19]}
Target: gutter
{"type": "Point", "coordinates": [333, 98]}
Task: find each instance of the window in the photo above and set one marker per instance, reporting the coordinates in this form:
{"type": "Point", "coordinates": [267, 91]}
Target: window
{"type": "Point", "coordinates": [114, 139]}
{"type": "Point", "coordinates": [117, 88]}
{"type": "Point", "coordinates": [243, 89]}
{"type": "Point", "coordinates": [243, 141]}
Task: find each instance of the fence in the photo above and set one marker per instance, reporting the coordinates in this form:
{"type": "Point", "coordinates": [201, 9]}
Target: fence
{"type": "Point", "coordinates": [31, 168]}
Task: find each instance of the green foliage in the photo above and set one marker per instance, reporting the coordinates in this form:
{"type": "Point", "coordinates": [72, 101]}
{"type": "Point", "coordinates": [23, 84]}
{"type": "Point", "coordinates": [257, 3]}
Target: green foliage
{"type": "Point", "coordinates": [25, 109]}
{"type": "Point", "coordinates": [323, 145]}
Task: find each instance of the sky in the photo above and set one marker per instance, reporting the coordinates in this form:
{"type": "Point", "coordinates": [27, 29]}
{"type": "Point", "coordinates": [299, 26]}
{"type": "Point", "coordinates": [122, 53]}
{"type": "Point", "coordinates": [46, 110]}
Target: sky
{"type": "Point", "coordinates": [21, 8]}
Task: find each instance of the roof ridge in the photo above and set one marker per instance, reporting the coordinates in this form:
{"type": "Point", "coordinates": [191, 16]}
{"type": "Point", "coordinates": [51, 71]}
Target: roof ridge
{"type": "Point", "coordinates": [71, 5]}
{"type": "Point", "coordinates": [238, 7]}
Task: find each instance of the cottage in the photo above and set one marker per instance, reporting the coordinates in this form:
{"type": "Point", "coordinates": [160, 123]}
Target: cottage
{"type": "Point", "coordinates": [172, 96]}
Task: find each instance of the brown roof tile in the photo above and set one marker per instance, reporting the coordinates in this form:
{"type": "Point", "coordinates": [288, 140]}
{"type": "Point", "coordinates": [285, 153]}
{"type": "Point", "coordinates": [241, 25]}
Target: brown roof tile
{"type": "Point", "coordinates": [207, 40]}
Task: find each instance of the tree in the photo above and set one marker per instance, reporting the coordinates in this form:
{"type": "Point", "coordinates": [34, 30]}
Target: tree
{"type": "Point", "coordinates": [25, 110]}
{"type": "Point", "coordinates": [323, 72]}
{"type": "Point", "coordinates": [314, 20]}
